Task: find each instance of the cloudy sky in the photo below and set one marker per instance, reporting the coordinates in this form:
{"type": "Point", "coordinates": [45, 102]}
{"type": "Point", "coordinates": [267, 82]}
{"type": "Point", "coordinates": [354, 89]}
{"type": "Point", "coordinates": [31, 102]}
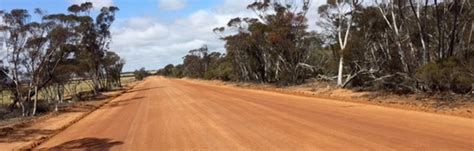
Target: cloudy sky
{"type": "Point", "coordinates": [154, 33]}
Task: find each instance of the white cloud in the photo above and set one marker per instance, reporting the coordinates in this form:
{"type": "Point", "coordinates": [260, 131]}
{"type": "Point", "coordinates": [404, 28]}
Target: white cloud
{"type": "Point", "coordinates": [151, 43]}
{"type": "Point", "coordinates": [97, 3]}
{"type": "Point", "coordinates": [172, 5]}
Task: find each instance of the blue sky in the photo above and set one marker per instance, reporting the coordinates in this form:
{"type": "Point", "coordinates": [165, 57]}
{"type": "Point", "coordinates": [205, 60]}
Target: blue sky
{"type": "Point", "coordinates": [129, 8]}
{"type": "Point", "coordinates": [154, 33]}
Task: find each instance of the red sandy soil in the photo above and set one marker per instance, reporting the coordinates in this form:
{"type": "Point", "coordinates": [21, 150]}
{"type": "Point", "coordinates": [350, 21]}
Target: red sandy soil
{"type": "Point", "coordinates": [170, 114]}
{"type": "Point", "coordinates": [448, 104]}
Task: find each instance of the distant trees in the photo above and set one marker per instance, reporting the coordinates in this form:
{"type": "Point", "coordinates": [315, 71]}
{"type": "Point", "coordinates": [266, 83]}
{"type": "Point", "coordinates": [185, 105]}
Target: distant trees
{"type": "Point", "coordinates": [219, 67]}
{"type": "Point", "coordinates": [196, 62]}
{"type": "Point", "coordinates": [200, 64]}
{"type": "Point", "coordinates": [274, 47]}
{"type": "Point", "coordinates": [55, 50]}
{"type": "Point", "coordinates": [113, 66]}
{"type": "Point", "coordinates": [167, 70]}
{"type": "Point", "coordinates": [140, 74]}
{"type": "Point", "coordinates": [404, 46]}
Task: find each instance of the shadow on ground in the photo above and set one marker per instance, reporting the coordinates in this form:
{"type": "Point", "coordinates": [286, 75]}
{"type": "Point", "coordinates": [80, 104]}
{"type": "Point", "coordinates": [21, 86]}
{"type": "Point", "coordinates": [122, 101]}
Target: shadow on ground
{"type": "Point", "coordinates": [87, 144]}
{"type": "Point", "coordinates": [121, 103]}
{"type": "Point", "coordinates": [10, 135]}
{"type": "Point", "coordinates": [144, 89]}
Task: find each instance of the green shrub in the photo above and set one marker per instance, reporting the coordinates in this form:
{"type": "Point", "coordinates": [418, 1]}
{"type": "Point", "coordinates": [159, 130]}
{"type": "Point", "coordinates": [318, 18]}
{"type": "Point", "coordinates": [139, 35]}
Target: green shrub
{"type": "Point", "coordinates": [141, 74]}
{"type": "Point", "coordinates": [222, 72]}
{"type": "Point", "coordinates": [446, 75]}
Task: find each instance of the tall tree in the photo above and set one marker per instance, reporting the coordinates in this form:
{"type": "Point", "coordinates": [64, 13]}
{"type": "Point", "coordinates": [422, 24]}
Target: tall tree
{"type": "Point", "coordinates": [338, 17]}
{"type": "Point", "coordinates": [274, 47]}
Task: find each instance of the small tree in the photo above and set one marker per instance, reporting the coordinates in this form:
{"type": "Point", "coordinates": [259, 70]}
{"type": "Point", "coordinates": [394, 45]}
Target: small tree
{"type": "Point", "coordinates": [168, 70]}
{"type": "Point", "coordinates": [141, 74]}
{"type": "Point", "coordinates": [113, 66]}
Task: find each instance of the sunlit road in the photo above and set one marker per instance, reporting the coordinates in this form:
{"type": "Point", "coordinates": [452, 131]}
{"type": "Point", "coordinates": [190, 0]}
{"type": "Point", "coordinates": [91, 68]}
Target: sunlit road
{"type": "Point", "coordinates": [170, 114]}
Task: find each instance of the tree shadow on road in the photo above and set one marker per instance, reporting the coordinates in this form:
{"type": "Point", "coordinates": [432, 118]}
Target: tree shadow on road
{"type": "Point", "coordinates": [10, 135]}
{"type": "Point", "coordinates": [121, 102]}
{"type": "Point", "coordinates": [144, 89]}
{"type": "Point", "coordinates": [87, 144]}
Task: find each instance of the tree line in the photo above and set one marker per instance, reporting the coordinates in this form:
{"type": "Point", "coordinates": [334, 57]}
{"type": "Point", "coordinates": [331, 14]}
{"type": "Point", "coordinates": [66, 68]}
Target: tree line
{"type": "Point", "coordinates": [199, 63]}
{"type": "Point", "coordinates": [404, 46]}
{"type": "Point", "coordinates": [48, 53]}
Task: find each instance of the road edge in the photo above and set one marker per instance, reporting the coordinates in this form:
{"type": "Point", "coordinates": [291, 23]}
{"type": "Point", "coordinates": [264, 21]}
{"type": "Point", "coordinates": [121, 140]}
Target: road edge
{"type": "Point", "coordinates": [309, 94]}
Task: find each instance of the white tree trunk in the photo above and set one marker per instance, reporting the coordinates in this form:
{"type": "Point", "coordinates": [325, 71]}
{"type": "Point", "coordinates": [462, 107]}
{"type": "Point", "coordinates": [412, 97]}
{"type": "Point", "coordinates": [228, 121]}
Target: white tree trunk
{"type": "Point", "coordinates": [56, 106]}
{"type": "Point", "coordinates": [339, 75]}
{"type": "Point", "coordinates": [35, 102]}
{"type": "Point", "coordinates": [22, 106]}
{"type": "Point", "coordinates": [469, 41]}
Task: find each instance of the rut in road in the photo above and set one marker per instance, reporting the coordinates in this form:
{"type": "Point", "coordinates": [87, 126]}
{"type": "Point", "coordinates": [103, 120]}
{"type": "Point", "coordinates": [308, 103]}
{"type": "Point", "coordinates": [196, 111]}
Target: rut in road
{"type": "Point", "coordinates": [171, 114]}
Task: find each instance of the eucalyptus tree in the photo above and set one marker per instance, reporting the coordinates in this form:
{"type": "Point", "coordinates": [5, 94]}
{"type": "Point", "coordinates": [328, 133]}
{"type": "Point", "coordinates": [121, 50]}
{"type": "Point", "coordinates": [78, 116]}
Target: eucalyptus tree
{"type": "Point", "coordinates": [141, 74]}
{"type": "Point", "coordinates": [419, 9]}
{"type": "Point", "coordinates": [196, 62]}
{"type": "Point", "coordinates": [337, 18]}
{"type": "Point", "coordinates": [403, 46]}
{"type": "Point", "coordinates": [167, 70]}
{"type": "Point", "coordinates": [113, 65]}
{"type": "Point", "coordinates": [103, 23]}
{"type": "Point", "coordinates": [31, 57]}
{"type": "Point", "coordinates": [274, 46]}
{"type": "Point", "coordinates": [14, 27]}
{"type": "Point", "coordinates": [95, 37]}
{"type": "Point", "coordinates": [53, 50]}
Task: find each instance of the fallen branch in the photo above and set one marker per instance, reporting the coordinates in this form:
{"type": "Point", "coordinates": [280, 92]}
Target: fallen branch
{"type": "Point", "coordinates": [352, 77]}
{"type": "Point", "coordinates": [326, 78]}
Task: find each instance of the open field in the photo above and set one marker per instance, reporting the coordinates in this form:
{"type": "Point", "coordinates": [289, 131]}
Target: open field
{"type": "Point", "coordinates": [166, 114]}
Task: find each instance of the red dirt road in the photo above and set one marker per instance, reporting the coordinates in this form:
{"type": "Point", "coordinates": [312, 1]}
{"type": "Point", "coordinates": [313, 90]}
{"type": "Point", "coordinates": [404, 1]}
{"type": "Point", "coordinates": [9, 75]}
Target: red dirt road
{"type": "Point", "coordinates": [169, 114]}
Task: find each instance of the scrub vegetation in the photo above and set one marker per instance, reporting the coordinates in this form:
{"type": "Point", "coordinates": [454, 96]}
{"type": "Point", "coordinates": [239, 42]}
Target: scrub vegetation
{"type": "Point", "coordinates": [400, 46]}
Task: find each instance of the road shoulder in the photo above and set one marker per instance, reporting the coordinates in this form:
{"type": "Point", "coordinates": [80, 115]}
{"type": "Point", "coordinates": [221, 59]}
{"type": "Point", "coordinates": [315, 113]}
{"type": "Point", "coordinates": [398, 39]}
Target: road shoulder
{"type": "Point", "coordinates": [29, 134]}
{"type": "Point", "coordinates": [414, 103]}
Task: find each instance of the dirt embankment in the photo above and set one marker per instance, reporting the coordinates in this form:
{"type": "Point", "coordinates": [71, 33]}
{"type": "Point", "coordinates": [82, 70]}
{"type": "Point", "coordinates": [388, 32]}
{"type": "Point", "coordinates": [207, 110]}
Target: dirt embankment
{"type": "Point", "coordinates": [28, 133]}
{"type": "Point", "coordinates": [455, 105]}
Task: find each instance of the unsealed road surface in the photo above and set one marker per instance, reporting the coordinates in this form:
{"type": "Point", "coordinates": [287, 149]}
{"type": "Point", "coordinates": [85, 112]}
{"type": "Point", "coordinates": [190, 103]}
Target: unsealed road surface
{"type": "Point", "coordinates": [170, 114]}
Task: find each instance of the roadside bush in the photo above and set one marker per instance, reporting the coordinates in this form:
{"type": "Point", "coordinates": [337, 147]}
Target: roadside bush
{"type": "Point", "coordinates": [177, 71]}
{"type": "Point", "coordinates": [168, 70]}
{"type": "Point", "coordinates": [446, 75]}
{"type": "Point", "coordinates": [140, 74]}
{"type": "Point", "coordinates": [222, 72]}
{"type": "Point", "coordinates": [44, 107]}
